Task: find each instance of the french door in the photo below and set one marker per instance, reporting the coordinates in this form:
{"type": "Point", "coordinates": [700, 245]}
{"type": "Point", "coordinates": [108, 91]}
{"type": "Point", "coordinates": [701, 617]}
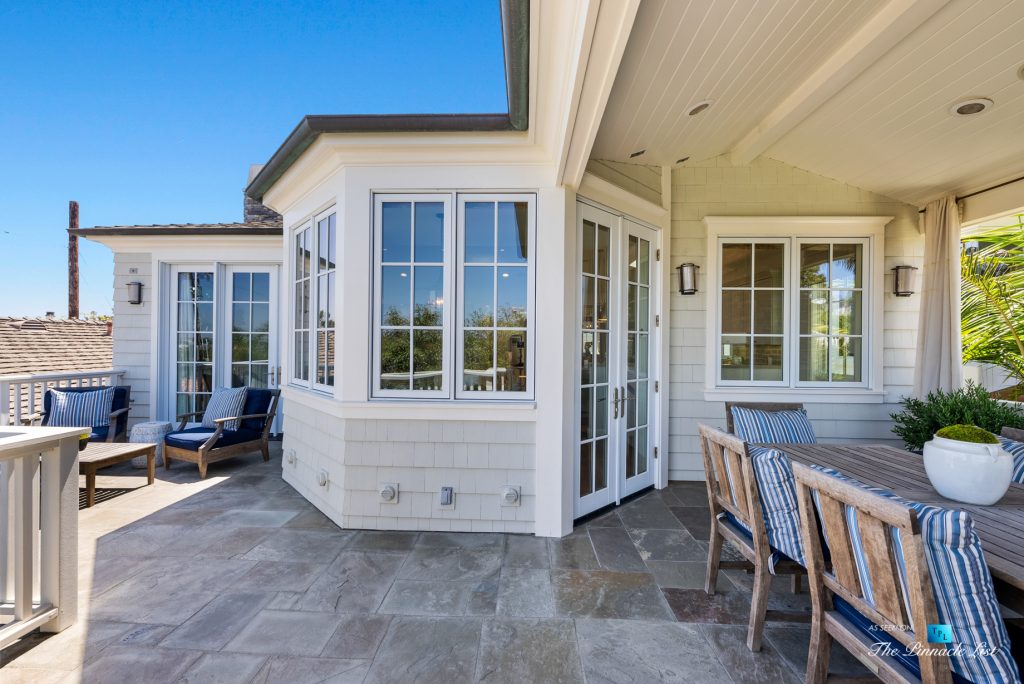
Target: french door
{"type": "Point", "coordinates": [225, 323]}
{"type": "Point", "coordinates": [616, 353]}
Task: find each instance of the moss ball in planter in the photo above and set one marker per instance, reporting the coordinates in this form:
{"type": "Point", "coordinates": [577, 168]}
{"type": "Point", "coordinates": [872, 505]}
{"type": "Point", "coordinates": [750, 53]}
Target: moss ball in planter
{"type": "Point", "coordinates": [967, 433]}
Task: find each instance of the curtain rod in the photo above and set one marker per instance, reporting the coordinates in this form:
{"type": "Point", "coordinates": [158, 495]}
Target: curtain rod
{"type": "Point", "coordinates": [979, 192]}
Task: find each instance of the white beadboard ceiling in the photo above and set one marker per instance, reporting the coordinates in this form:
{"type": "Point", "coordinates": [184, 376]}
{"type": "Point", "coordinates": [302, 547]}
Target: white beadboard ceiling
{"type": "Point", "coordinates": [887, 129]}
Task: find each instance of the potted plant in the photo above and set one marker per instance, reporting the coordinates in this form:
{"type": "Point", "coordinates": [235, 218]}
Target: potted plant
{"type": "Point", "coordinates": [967, 464]}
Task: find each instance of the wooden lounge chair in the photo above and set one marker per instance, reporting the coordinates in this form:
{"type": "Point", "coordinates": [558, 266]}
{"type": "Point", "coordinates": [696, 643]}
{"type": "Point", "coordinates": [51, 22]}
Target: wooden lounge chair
{"type": "Point", "coordinates": [116, 431]}
{"type": "Point", "coordinates": [735, 503]}
{"type": "Point", "coordinates": [203, 445]}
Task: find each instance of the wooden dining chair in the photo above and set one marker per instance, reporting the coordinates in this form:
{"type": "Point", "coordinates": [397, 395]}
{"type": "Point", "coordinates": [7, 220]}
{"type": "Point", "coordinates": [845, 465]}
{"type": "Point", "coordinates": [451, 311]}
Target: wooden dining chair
{"type": "Point", "coordinates": [770, 407]}
{"type": "Point", "coordinates": [736, 516]}
{"type": "Point", "coordinates": [833, 590]}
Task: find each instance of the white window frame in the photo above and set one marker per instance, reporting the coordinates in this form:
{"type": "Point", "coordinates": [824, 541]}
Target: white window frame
{"type": "Point", "coordinates": [867, 286]}
{"type": "Point", "coordinates": [794, 230]}
{"type": "Point", "coordinates": [310, 222]}
{"type": "Point", "coordinates": [458, 327]}
{"type": "Point", "coordinates": [449, 304]}
{"type": "Point", "coordinates": [452, 362]}
{"type": "Point", "coordinates": [787, 310]}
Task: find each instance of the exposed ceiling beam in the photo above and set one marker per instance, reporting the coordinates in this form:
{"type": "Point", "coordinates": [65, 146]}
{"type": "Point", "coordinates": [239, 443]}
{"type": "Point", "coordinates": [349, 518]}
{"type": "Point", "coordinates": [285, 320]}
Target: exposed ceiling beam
{"type": "Point", "coordinates": [891, 24]}
{"type": "Point", "coordinates": [600, 53]}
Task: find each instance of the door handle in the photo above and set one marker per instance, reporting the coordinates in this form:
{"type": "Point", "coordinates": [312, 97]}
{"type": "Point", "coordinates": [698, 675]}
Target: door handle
{"type": "Point", "coordinates": [615, 403]}
{"type": "Point", "coordinates": [623, 411]}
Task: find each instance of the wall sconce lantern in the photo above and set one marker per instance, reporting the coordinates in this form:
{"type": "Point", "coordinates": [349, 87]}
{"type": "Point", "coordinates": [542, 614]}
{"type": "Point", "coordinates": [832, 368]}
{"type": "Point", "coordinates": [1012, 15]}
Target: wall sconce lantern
{"type": "Point", "coordinates": [688, 279]}
{"type": "Point", "coordinates": [135, 292]}
{"type": "Point", "coordinates": [903, 280]}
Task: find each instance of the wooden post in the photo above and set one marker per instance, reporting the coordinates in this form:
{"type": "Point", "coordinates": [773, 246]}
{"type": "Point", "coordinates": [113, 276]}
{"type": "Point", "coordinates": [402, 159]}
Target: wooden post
{"type": "Point", "coordinates": [72, 260]}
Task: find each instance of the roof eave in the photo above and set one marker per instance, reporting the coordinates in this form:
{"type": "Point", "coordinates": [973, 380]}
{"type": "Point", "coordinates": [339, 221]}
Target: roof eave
{"type": "Point", "coordinates": [136, 231]}
{"type": "Point", "coordinates": [515, 29]}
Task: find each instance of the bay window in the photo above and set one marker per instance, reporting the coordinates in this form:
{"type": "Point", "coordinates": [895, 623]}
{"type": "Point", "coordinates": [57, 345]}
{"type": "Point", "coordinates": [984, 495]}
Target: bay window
{"type": "Point", "coordinates": [453, 296]}
{"type": "Point", "coordinates": [795, 311]}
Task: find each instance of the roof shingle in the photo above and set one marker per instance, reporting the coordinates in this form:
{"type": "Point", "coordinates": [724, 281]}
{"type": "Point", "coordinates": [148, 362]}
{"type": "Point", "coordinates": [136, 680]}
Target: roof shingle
{"type": "Point", "coordinates": [47, 345]}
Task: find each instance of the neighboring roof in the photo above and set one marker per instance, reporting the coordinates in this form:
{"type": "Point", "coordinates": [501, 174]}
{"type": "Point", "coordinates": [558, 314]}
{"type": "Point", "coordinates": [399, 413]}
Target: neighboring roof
{"type": "Point", "coordinates": [43, 345]}
{"type": "Point", "coordinates": [515, 31]}
{"type": "Point", "coordinates": [269, 227]}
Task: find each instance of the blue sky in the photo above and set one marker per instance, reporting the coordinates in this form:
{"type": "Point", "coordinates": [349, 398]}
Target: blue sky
{"type": "Point", "coordinates": [152, 112]}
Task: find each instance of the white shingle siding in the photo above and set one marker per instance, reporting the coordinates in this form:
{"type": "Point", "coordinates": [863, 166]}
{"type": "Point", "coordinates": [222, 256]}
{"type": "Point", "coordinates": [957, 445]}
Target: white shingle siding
{"type": "Point", "coordinates": [477, 458]}
{"type": "Point", "coordinates": [714, 187]}
{"type": "Point", "coordinates": [133, 329]}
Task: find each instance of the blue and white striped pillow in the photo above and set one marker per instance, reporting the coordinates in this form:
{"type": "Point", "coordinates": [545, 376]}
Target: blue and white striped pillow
{"type": "Point", "coordinates": [225, 403]}
{"type": "Point", "coordinates": [777, 489]}
{"type": "Point", "coordinates": [80, 409]}
{"type": "Point", "coordinates": [772, 427]}
{"type": "Point", "coordinates": [1015, 449]}
{"type": "Point", "coordinates": [965, 597]}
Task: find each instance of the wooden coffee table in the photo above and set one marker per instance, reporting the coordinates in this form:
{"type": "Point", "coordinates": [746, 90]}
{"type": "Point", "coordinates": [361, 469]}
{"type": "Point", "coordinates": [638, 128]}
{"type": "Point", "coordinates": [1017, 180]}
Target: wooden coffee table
{"type": "Point", "coordinates": [103, 454]}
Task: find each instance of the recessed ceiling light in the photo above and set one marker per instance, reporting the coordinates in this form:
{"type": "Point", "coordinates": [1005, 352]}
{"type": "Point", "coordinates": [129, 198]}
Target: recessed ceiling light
{"type": "Point", "coordinates": [975, 105]}
{"type": "Point", "coordinates": [699, 107]}
{"type": "Point", "coordinates": [636, 154]}
{"type": "Point", "coordinates": [684, 159]}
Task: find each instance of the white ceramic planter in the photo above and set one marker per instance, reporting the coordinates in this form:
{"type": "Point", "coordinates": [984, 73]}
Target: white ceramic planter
{"type": "Point", "coordinates": [970, 473]}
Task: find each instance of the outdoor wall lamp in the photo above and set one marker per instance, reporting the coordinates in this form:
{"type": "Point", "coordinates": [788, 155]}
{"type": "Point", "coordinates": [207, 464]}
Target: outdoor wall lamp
{"type": "Point", "coordinates": [688, 279]}
{"type": "Point", "coordinates": [903, 280]}
{"type": "Point", "coordinates": [135, 292]}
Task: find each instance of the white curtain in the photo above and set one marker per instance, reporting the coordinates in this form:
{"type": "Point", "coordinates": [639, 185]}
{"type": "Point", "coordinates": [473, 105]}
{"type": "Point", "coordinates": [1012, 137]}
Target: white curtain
{"type": "Point", "coordinates": [939, 362]}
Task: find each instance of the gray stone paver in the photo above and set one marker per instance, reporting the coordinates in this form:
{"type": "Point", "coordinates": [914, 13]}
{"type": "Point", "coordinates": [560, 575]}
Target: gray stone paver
{"type": "Point", "coordinates": [239, 579]}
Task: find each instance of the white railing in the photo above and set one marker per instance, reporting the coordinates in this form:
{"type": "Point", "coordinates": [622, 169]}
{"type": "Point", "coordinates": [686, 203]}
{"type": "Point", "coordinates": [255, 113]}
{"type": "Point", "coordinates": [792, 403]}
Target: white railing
{"type": "Point", "coordinates": [38, 530]}
{"type": "Point", "coordinates": [22, 395]}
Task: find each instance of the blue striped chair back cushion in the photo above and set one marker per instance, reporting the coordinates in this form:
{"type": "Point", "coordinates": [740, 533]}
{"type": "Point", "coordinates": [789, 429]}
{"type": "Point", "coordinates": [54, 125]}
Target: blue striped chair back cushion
{"type": "Point", "coordinates": [1015, 449]}
{"type": "Point", "coordinates": [772, 427]}
{"type": "Point", "coordinates": [965, 597]}
{"type": "Point", "coordinates": [224, 403]}
{"type": "Point", "coordinates": [80, 409]}
{"type": "Point", "coordinates": [777, 492]}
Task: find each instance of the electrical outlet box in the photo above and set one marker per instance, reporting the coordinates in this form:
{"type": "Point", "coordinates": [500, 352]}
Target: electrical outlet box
{"type": "Point", "coordinates": [447, 499]}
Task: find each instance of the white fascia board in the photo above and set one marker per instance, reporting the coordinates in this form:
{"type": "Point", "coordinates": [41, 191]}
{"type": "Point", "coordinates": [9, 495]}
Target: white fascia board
{"type": "Point", "coordinates": [599, 60]}
{"type": "Point", "coordinates": [189, 246]}
{"type": "Point", "coordinates": [891, 24]}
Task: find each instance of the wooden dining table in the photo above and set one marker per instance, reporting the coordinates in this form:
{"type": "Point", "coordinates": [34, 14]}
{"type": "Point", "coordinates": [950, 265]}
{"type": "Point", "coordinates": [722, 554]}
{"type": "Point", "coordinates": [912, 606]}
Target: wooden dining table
{"type": "Point", "coordinates": [1000, 526]}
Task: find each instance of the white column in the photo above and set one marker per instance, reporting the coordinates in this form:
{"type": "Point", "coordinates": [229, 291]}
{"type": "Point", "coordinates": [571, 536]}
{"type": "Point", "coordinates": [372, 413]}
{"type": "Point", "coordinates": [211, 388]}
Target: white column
{"type": "Point", "coordinates": [556, 304]}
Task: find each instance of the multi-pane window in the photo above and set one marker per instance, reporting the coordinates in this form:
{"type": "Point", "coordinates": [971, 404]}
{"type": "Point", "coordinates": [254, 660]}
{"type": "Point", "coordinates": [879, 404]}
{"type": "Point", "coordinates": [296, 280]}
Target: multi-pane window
{"type": "Point", "coordinates": [325, 304]}
{"type": "Point", "coordinates": [250, 328]}
{"type": "Point", "coordinates": [301, 268]}
{"type": "Point", "coordinates": [831, 311]}
{"type": "Point", "coordinates": [752, 311]}
{"type": "Point", "coordinates": [314, 263]}
{"type": "Point", "coordinates": [452, 288]}
{"type": "Point", "coordinates": [822, 282]}
{"type": "Point", "coordinates": [412, 295]}
{"type": "Point", "coordinates": [495, 292]}
{"type": "Point", "coordinates": [195, 340]}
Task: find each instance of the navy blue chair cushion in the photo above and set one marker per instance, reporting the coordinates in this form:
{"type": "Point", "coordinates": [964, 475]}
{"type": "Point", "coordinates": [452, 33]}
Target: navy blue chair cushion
{"type": "Point", "coordinates": [900, 653]}
{"type": "Point", "coordinates": [99, 434]}
{"type": "Point", "coordinates": [193, 438]}
{"type": "Point", "coordinates": [256, 401]}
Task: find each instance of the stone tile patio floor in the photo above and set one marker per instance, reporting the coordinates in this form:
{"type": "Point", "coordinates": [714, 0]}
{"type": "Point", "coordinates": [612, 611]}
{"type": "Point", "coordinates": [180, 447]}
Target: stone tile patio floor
{"type": "Point", "coordinates": [239, 579]}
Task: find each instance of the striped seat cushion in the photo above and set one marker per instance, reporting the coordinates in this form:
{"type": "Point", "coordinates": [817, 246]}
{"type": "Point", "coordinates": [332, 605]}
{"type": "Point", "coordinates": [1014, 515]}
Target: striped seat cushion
{"type": "Point", "coordinates": [965, 598]}
{"type": "Point", "coordinates": [777, 492]}
{"type": "Point", "coordinates": [772, 427]}
{"type": "Point", "coordinates": [80, 409]}
{"type": "Point", "coordinates": [1015, 449]}
{"type": "Point", "coordinates": [224, 403]}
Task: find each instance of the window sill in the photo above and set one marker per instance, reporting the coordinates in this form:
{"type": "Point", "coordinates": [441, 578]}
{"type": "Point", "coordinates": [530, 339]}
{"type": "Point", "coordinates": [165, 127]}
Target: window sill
{"type": "Point", "coordinates": [809, 395]}
{"type": "Point", "coordinates": [413, 409]}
